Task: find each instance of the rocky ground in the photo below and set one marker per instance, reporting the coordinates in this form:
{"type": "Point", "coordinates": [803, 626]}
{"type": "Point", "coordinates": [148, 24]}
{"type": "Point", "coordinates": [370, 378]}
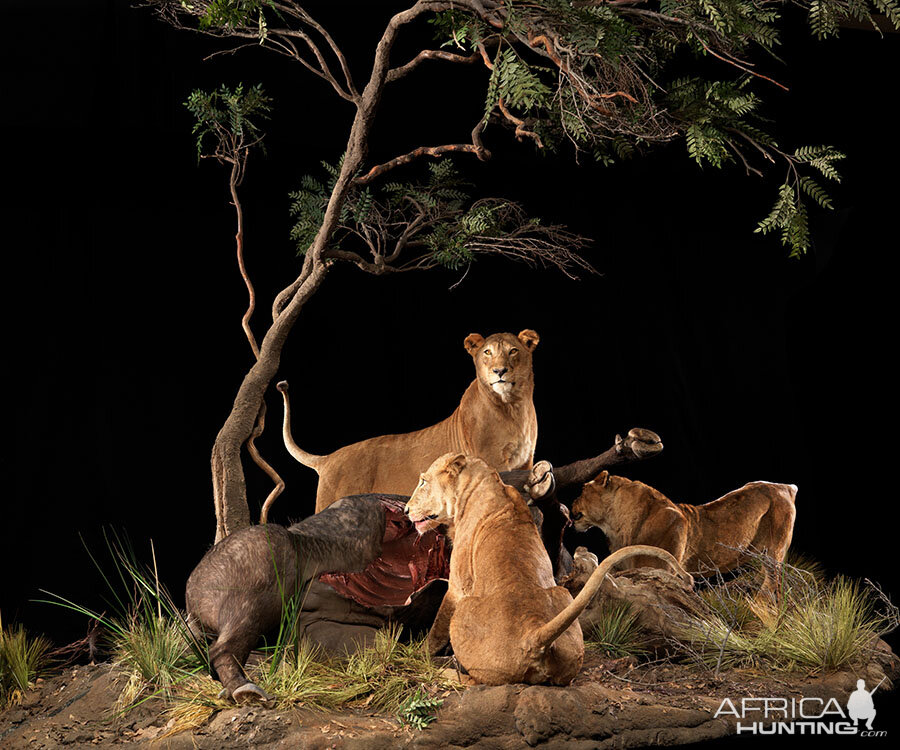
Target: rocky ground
{"type": "Point", "coordinates": [612, 703]}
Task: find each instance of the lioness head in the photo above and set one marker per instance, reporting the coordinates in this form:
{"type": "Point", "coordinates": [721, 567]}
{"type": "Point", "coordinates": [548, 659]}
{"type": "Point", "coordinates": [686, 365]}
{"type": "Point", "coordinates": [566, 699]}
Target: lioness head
{"type": "Point", "coordinates": [436, 499]}
{"type": "Point", "coordinates": [503, 361]}
{"type": "Point", "coordinates": [597, 499]}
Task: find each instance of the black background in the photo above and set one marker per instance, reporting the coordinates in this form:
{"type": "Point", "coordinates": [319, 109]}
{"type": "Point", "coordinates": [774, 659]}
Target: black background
{"type": "Point", "coordinates": [125, 350]}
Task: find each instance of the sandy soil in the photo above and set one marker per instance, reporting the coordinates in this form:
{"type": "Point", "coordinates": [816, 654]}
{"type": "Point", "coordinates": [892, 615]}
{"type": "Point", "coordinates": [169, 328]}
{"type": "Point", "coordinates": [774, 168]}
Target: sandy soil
{"type": "Point", "coordinates": [612, 703]}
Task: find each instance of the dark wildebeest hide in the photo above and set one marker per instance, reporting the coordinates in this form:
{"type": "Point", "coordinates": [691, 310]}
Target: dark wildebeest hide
{"type": "Point", "coordinates": [239, 590]}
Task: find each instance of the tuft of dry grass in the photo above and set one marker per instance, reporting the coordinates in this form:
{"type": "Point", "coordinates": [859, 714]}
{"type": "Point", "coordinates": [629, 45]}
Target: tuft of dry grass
{"type": "Point", "coordinates": [617, 632]}
{"type": "Point", "coordinates": [384, 676]}
{"type": "Point", "coordinates": [153, 655]}
{"type": "Point", "coordinates": [812, 623]}
{"type": "Point", "coordinates": [22, 658]}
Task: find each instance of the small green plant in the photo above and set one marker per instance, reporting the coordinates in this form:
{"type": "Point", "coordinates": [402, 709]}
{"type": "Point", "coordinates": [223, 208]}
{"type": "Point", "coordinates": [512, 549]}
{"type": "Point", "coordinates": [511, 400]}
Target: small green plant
{"type": "Point", "coordinates": [617, 632]}
{"type": "Point", "coordinates": [22, 659]}
{"type": "Point", "coordinates": [418, 711]}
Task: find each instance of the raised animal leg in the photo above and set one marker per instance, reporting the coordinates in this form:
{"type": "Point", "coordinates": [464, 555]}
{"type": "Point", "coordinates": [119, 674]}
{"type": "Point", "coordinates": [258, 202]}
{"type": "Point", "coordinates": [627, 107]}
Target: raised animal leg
{"type": "Point", "coordinates": [439, 636]}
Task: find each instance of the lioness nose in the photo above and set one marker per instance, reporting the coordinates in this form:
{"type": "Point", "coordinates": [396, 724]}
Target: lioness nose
{"type": "Point", "coordinates": [500, 371]}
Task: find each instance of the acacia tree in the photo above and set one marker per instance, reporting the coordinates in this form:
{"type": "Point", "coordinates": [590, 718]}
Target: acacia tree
{"type": "Point", "coordinates": [601, 78]}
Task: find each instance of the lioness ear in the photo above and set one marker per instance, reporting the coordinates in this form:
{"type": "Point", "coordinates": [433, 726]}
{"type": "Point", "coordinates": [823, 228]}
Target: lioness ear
{"type": "Point", "coordinates": [602, 478]}
{"type": "Point", "coordinates": [529, 338]}
{"type": "Point", "coordinates": [473, 343]}
{"type": "Point", "coordinates": [457, 464]}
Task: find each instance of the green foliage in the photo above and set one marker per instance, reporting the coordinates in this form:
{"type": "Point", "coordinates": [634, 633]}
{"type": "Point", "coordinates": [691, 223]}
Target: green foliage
{"type": "Point", "coordinates": [789, 215]}
{"type": "Point", "coordinates": [230, 13]}
{"type": "Point", "coordinates": [22, 659]}
{"type": "Point", "coordinates": [617, 632]}
{"type": "Point", "coordinates": [449, 220]}
{"type": "Point", "coordinates": [516, 83]}
{"type": "Point", "coordinates": [228, 117]}
{"type": "Point", "coordinates": [601, 93]}
{"type": "Point", "coordinates": [418, 710]}
{"type": "Point", "coordinates": [308, 204]}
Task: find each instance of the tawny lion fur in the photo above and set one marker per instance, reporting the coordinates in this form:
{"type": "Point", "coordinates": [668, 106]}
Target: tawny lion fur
{"type": "Point", "coordinates": [758, 516]}
{"type": "Point", "coordinates": [495, 421]}
{"type": "Point", "coordinates": [503, 613]}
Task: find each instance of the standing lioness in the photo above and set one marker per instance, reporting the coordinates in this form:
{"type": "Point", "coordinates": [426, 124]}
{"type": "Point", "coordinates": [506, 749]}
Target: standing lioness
{"type": "Point", "coordinates": [503, 613]}
{"type": "Point", "coordinates": [759, 516]}
{"type": "Point", "coordinates": [495, 421]}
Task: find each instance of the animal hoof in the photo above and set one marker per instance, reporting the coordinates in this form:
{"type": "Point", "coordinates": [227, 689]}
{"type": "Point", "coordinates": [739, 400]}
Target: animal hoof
{"type": "Point", "coordinates": [541, 482]}
{"type": "Point", "coordinates": [249, 692]}
{"type": "Point", "coordinates": [640, 442]}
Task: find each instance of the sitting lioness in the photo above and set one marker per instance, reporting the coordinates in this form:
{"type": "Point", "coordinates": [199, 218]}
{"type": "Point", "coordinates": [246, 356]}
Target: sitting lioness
{"type": "Point", "coordinates": [703, 538]}
{"type": "Point", "coordinates": [504, 615]}
{"type": "Point", "coordinates": [495, 421]}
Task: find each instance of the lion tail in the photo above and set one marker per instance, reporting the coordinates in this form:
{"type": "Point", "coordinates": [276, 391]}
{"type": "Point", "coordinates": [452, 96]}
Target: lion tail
{"type": "Point", "coordinates": [542, 637]}
{"type": "Point", "coordinates": [307, 459]}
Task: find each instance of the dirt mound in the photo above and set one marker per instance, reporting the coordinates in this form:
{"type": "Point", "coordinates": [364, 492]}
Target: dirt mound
{"type": "Point", "coordinates": [613, 703]}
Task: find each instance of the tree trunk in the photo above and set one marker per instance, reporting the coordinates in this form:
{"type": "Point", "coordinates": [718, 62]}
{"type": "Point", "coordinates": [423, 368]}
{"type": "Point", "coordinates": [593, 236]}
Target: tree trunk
{"type": "Point", "coordinates": [229, 486]}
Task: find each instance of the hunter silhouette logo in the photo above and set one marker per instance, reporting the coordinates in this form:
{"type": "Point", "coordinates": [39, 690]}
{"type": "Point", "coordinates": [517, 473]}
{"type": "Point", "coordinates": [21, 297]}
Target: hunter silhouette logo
{"type": "Point", "coordinates": [860, 705]}
{"type": "Point", "coordinates": [805, 716]}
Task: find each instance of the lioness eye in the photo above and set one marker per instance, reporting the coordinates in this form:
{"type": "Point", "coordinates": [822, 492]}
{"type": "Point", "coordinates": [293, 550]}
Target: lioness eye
{"type": "Point", "coordinates": [513, 351]}
{"type": "Point", "coordinates": [488, 353]}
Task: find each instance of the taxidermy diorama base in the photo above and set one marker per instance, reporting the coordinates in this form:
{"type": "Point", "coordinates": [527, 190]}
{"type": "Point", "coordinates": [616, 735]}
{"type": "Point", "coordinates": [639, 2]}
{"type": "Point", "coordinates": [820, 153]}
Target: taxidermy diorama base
{"type": "Point", "coordinates": [613, 702]}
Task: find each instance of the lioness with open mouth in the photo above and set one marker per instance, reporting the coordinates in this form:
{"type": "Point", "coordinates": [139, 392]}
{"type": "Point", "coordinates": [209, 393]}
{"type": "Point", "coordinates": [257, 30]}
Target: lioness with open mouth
{"type": "Point", "coordinates": [503, 613]}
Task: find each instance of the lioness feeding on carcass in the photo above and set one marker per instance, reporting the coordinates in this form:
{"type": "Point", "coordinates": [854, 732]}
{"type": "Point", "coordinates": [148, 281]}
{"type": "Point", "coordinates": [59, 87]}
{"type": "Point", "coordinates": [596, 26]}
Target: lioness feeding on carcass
{"type": "Point", "coordinates": [503, 613]}
{"type": "Point", "coordinates": [703, 538]}
{"type": "Point", "coordinates": [495, 421]}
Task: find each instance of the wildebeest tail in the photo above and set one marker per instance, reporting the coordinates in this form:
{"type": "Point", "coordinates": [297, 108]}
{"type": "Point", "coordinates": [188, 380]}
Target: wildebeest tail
{"type": "Point", "coordinates": [543, 636]}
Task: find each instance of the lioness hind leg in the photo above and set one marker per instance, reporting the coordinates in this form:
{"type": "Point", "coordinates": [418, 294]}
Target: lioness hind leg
{"type": "Point", "coordinates": [773, 537]}
{"type": "Point", "coordinates": [485, 642]}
